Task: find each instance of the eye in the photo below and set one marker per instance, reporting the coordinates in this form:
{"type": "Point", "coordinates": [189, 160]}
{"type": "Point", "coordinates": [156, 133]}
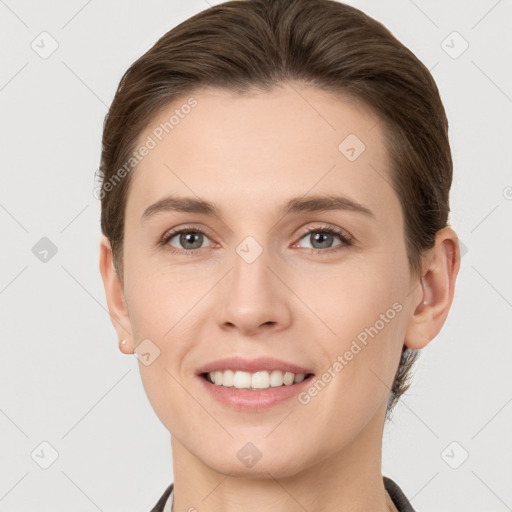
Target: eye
{"type": "Point", "coordinates": [190, 239]}
{"type": "Point", "coordinates": [321, 239]}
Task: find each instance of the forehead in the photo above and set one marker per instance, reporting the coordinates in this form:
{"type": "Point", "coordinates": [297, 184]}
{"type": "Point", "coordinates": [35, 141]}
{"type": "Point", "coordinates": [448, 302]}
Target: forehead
{"type": "Point", "coordinates": [242, 149]}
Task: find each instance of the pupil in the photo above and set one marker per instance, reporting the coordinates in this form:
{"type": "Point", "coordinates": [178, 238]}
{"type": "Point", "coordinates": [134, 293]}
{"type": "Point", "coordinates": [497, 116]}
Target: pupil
{"type": "Point", "coordinates": [189, 238]}
{"type": "Point", "coordinates": [321, 235]}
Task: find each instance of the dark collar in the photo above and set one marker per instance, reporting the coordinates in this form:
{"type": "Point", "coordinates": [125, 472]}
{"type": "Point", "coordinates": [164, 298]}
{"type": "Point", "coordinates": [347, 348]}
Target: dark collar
{"type": "Point", "coordinates": [399, 499]}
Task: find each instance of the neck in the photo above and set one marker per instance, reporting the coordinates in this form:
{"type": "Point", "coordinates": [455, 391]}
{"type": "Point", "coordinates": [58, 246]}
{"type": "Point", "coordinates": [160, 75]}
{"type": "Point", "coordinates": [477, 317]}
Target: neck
{"type": "Point", "coordinates": [347, 480]}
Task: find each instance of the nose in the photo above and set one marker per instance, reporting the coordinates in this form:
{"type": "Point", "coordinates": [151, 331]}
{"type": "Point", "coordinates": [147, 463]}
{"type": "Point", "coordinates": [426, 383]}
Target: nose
{"type": "Point", "coordinates": [254, 299]}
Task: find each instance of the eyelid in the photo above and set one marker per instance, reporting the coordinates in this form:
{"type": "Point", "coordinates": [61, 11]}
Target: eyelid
{"type": "Point", "coordinates": [347, 240]}
{"type": "Point", "coordinates": [325, 226]}
{"type": "Point", "coordinates": [171, 233]}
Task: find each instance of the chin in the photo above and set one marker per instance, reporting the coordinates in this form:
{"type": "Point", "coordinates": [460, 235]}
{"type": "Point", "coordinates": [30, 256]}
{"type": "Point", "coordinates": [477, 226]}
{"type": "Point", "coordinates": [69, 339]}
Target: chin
{"type": "Point", "coordinates": [272, 464]}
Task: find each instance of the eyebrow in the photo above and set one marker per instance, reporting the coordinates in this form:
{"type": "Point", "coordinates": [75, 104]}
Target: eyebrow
{"type": "Point", "coordinates": [294, 205]}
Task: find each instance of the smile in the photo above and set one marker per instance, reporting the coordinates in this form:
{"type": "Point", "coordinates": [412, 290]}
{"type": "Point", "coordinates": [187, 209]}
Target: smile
{"type": "Point", "coordinates": [257, 380]}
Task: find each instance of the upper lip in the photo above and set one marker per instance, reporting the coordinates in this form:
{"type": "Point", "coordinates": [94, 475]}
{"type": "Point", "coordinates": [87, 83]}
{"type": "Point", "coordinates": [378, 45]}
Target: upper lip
{"type": "Point", "coordinates": [251, 365]}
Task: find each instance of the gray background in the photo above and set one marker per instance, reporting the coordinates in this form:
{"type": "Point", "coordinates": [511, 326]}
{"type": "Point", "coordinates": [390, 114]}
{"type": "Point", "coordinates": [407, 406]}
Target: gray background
{"type": "Point", "coordinates": [63, 380]}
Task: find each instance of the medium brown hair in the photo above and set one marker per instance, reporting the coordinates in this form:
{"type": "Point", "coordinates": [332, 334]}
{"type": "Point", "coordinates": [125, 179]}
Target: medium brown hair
{"type": "Point", "coordinates": [245, 44]}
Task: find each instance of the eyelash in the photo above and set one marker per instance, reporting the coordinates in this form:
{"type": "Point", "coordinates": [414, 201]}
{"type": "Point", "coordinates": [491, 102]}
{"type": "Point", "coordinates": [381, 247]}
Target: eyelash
{"type": "Point", "coordinates": [347, 241]}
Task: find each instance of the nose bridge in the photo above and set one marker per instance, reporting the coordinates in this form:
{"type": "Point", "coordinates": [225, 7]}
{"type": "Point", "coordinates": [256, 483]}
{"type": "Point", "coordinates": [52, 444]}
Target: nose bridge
{"type": "Point", "coordinates": [251, 277]}
{"type": "Point", "coordinates": [252, 293]}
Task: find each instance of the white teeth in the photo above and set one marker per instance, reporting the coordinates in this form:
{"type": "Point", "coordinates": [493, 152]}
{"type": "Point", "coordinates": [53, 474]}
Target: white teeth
{"type": "Point", "coordinates": [227, 378]}
{"type": "Point", "coordinates": [299, 378]}
{"type": "Point", "coordinates": [260, 380]}
{"type": "Point", "coordinates": [276, 378]}
{"type": "Point", "coordinates": [257, 380]}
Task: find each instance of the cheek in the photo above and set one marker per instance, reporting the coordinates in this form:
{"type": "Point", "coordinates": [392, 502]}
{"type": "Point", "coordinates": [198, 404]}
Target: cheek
{"type": "Point", "coordinates": [164, 304]}
{"type": "Point", "coordinates": [161, 296]}
{"type": "Point", "coordinates": [350, 297]}
{"type": "Point", "coordinates": [362, 313]}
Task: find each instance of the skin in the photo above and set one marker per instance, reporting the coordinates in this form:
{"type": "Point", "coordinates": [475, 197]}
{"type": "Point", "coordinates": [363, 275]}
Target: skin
{"type": "Point", "coordinates": [249, 154]}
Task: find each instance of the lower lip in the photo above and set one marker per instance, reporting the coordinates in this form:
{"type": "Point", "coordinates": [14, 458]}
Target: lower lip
{"type": "Point", "coordinates": [249, 400]}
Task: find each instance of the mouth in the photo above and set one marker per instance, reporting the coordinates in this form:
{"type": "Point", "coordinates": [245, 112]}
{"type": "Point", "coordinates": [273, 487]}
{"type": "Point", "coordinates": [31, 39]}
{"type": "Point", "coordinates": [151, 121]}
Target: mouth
{"type": "Point", "coordinates": [256, 381]}
{"type": "Point", "coordinates": [250, 387]}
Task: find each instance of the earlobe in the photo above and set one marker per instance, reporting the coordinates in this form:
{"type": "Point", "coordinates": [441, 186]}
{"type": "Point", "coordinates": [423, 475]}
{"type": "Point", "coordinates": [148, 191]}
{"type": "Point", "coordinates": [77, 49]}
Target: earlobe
{"type": "Point", "coordinates": [437, 290]}
{"type": "Point", "coordinates": [124, 347]}
{"type": "Point", "coordinates": [114, 293]}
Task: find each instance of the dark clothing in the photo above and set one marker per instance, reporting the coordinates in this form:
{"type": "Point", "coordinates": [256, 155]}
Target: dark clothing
{"type": "Point", "coordinates": [397, 495]}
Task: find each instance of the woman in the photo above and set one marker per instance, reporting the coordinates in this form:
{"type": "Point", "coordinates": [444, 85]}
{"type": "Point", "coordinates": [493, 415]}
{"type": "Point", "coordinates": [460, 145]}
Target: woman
{"type": "Point", "coordinates": [276, 248]}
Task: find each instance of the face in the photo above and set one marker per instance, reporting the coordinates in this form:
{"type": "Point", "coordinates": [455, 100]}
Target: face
{"type": "Point", "coordinates": [275, 272]}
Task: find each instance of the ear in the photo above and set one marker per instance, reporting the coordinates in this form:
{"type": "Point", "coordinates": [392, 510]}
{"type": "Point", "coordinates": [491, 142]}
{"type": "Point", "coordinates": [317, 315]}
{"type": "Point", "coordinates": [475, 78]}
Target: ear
{"type": "Point", "coordinates": [115, 297]}
{"type": "Point", "coordinates": [434, 293]}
